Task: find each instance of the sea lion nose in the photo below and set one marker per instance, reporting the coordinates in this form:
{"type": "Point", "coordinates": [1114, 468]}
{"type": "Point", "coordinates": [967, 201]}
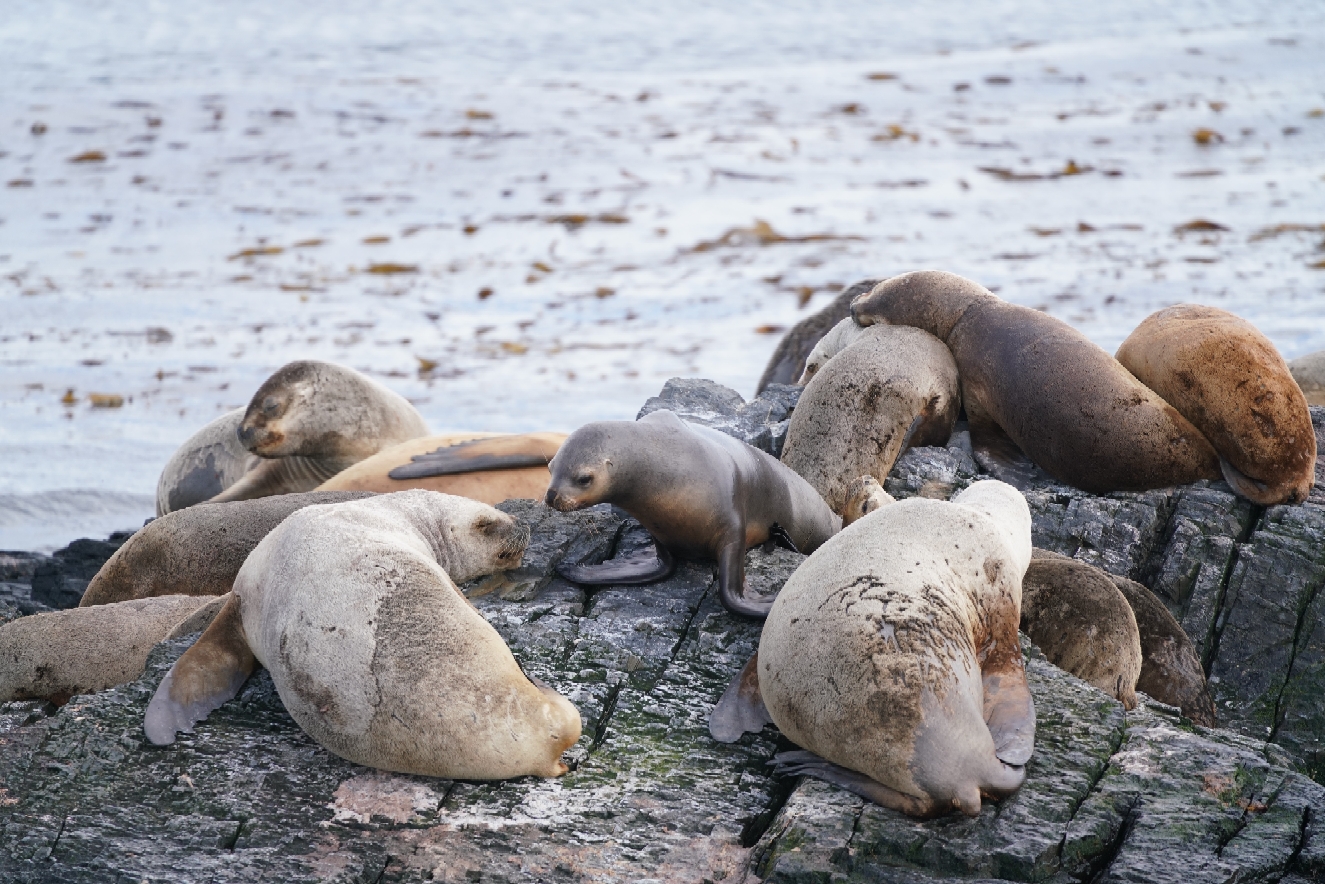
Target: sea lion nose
{"type": "Point", "coordinates": [551, 499]}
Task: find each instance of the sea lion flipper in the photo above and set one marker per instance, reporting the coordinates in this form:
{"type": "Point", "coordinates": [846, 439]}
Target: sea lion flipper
{"type": "Point", "coordinates": [1010, 715]}
{"type": "Point", "coordinates": [741, 709]}
{"type": "Point", "coordinates": [802, 763]}
{"type": "Point", "coordinates": [1002, 457]}
{"type": "Point", "coordinates": [635, 569]}
{"type": "Point", "coordinates": [731, 582]}
{"type": "Point", "coordinates": [202, 679]}
{"type": "Point", "coordinates": [279, 475]}
{"type": "Point", "coordinates": [479, 455]}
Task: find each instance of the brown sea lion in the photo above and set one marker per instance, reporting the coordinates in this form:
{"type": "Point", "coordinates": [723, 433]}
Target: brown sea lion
{"type": "Point", "coordinates": [892, 655]}
{"type": "Point", "coordinates": [788, 360]}
{"type": "Point", "coordinates": [891, 388]}
{"type": "Point", "coordinates": [489, 467]}
{"type": "Point", "coordinates": [196, 551]}
{"type": "Point", "coordinates": [1228, 380]}
{"type": "Point", "coordinates": [1309, 372]}
{"type": "Point", "coordinates": [699, 492]}
{"type": "Point", "coordinates": [1064, 402]}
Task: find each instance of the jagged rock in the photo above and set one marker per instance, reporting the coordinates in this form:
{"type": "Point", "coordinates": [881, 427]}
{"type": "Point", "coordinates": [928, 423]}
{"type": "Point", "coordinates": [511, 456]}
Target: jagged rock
{"type": "Point", "coordinates": [59, 581]}
{"type": "Point", "coordinates": [761, 422]}
{"type": "Point", "coordinates": [16, 570]}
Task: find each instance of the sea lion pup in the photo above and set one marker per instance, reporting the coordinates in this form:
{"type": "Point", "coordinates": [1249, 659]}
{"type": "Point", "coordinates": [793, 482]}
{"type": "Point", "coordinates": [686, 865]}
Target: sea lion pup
{"type": "Point", "coordinates": [209, 461]}
{"type": "Point", "coordinates": [699, 492]}
{"type": "Point", "coordinates": [372, 648]}
{"type": "Point", "coordinates": [58, 654]}
{"type": "Point", "coordinates": [310, 420]}
{"type": "Point", "coordinates": [1082, 622]}
{"type": "Point", "coordinates": [1309, 372]}
{"type": "Point", "coordinates": [864, 496]}
{"type": "Point", "coordinates": [1064, 402]}
{"type": "Point", "coordinates": [839, 337]}
{"type": "Point", "coordinates": [1228, 380]}
{"type": "Point", "coordinates": [891, 388]}
{"type": "Point", "coordinates": [788, 360]}
{"type": "Point", "coordinates": [892, 654]}
{"type": "Point", "coordinates": [488, 467]}
{"type": "Point", "coordinates": [196, 551]}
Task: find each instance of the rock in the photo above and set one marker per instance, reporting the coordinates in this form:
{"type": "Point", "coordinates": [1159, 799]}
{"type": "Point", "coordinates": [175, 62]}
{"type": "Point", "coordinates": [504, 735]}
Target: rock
{"type": "Point", "coordinates": [16, 570]}
{"type": "Point", "coordinates": [60, 580]}
{"type": "Point", "coordinates": [762, 422]}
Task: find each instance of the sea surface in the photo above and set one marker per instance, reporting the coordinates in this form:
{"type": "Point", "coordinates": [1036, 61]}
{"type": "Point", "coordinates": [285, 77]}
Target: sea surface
{"type": "Point", "coordinates": [529, 216]}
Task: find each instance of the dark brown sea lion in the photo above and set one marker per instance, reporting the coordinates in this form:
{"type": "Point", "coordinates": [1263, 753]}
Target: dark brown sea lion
{"type": "Point", "coordinates": [699, 492]}
{"type": "Point", "coordinates": [788, 360]}
{"type": "Point", "coordinates": [1064, 402]}
{"type": "Point", "coordinates": [1228, 380]}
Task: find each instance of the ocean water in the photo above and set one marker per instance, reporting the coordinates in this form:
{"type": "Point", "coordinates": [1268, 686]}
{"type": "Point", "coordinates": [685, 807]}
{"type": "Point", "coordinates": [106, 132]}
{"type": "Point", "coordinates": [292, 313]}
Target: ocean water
{"type": "Point", "coordinates": [529, 216]}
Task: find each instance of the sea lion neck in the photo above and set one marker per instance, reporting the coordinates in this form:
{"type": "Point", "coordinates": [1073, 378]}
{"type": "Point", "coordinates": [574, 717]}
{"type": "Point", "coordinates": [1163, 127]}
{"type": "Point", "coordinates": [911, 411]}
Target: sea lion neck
{"type": "Point", "coordinates": [932, 300]}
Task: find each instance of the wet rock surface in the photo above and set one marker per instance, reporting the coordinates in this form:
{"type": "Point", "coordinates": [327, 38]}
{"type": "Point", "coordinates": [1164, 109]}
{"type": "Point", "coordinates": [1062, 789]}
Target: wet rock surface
{"type": "Point", "coordinates": [1110, 795]}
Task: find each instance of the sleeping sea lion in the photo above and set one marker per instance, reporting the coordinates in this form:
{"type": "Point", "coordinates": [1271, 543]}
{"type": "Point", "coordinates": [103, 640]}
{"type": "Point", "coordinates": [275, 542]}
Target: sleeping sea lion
{"type": "Point", "coordinates": [892, 655]}
{"type": "Point", "coordinates": [374, 652]}
{"type": "Point", "coordinates": [1038, 383]}
{"type": "Point", "coordinates": [891, 388]}
{"type": "Point", "coordinates": [488, 467]}
{"type": "Point", "coordinates": [699, 492]}
{"type": "Point", "coordinates": [1228, 380]}
{"type": "Point", "coordinates": [839, 337]}
{"type": "Point", "coordinates": [209, 461]}
{"type": "Point", "coordinates": [864, 496]}
{"type": "Point", "coordinates": [1309, 372]}
{"type": "Point", "coordinates": [788, 360]}
{"type": "Point", "coordinates": [196, 551]}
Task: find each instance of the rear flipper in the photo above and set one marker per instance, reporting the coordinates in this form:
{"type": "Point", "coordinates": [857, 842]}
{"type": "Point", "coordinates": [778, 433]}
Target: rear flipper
{"type": "Point", "coordinates": [202, 679]}
{"type": "Point", "coordinates": [1005, 461]}
{"type": "Point", "coordinates": [479, 455]}
{"type": "Point", "coordinates": [802, 763]}
{"type": "Point", "coordinates": [741, 709]}
{"type": "Point", "coordinates": [1010, 716]}
{"type": "Point", "coordinates": [635, 569]}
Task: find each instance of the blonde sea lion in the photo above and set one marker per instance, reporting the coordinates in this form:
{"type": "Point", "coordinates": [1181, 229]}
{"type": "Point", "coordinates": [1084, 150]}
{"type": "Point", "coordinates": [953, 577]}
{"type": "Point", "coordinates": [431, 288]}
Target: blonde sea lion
{"type": "Point", "coordinates": [838, 338]}
{"type": "Point", "coordinates": [489, 467]}
{"type": "Point", "coordinates": [864, 496]}
{"type": "Point", "coordinates": [890, 388]}
{"type": "Point", "coordinates": [353, 610]}
{"type": "Point", "coordinates": [196, 551]}
{"type": "Point", "coordinates": [1309, 372]}
{"type": "Point", "coordinates": [699, 492]}
{"type": "Point", "coordinates": [1038, 383]}
{"type": "Point", "coordinates": [1228, 380]}
{"type": "Point", "coordinates": [788, 360]}
{"type": "Point", "coordinates": [58, 654]}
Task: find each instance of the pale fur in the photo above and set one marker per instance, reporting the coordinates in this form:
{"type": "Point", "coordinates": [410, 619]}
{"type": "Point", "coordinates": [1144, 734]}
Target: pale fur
{"type": "Point", "coordinates": [1309, 372]}
{"type": "Point", "coordinates": [868, 655]}
{"type": "Point", "coordinates": [839, 337]}
{"type": "Point", "coordinates": [377, 655]}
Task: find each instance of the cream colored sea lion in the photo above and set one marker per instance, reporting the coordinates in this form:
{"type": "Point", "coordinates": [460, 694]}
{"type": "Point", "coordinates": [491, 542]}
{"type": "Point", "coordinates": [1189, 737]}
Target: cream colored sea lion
{"type": "Point", "coordinates": [1228, 380]}
{"type": "Point", "coordinates": [839, 337]}
{"type": "Point", "coordinates": [699, 492]}
{"type": "Point", "coordinates": [891, 388]}
{"type": "Point", "coordinates": [892, 654]}
{"type": "Point", "coordinates": [372, 648]}
{"type": "Point", "coordinates": [489, 467]}
{"type": "Point", "coordinates": [61, 653]}
{"type": "Point", "coordinates": [1068, 405]}
{"type": "Point", "coordinates": [788, 360]}
{"type": "Point", "coordinates": [310, 420]}
{"type": "Point", "coordinates": [209, 461]}
{"type": "Point", "coordinates": [196, 551]}
{"type": "Point", "coordinates": [1309, 372]}
{"type": "Point", "coordinates": [864, 496]}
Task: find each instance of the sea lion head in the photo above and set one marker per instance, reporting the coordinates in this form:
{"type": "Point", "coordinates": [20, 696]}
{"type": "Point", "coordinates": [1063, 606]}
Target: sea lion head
{"type": "Point", "coordinates": [471, 538]}
{"type": "Point", "coordinates": [864, 496]}
{"type": "Point", "coordinates": [933, 300]}
{"type": "Point", "coordinates": [582, 469]}
{"type": "Point", "coordinates": [272, 423]}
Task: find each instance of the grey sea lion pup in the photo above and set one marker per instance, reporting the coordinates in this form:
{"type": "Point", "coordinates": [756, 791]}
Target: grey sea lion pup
{"type": "Point", "coordinates": [788, 360]}
{"type": "Point", "coordinates": [1031, 383]}
{"type": "Point", "coordinates": [310, 420]}
{"type": "Point", "coordinates": [1309, 372]}
{"type": "Point", "coordinates": [57, 654]}
{"type": "Point", "coordinates": [1226, 377]}
{"type": "Point", "coordinates": [209, 461]}
{"type": "Point", "coordinates": [892, 655]}
{"type": "Point", "coordinates": [890, 388]}
{"type": "Point", "coordinates": [375, 653]}
{"type": "Point", "coordinates": [699, 492]}
{"type": "Point", "coordinates": [196, 551]}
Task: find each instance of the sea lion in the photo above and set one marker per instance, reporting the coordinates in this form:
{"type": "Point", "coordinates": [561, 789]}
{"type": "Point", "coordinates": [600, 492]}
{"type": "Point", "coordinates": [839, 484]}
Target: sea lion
{"type": "Point", "coordinates": [788, 360]}
{"type": "Point", "coordinates": [374, 651]}
{"type": "Point", "coordinates": [310, 420]}
{"type": "Point", "coordinates": [839, 337]}
{"type": "Point", "coordinates": [488, 467]}
{"type": "Point", "coordinates": [892, 654]}
{"type": "Point", "coordinates": [698, 491]}
{"type": "Point", "coordinates": [209, 461]}
{"type": "Point", "coordinates": [1035, 382]}
{"type": "Point", "coordinates": [891, 388]}
{"type": "Point", "coordinates": [58, 654]}
{"type": "Point", "coordinates": [1309, 372]}
{"type": "Point", "coordinates": [1082, 623]}
{"type": "Point", "coordinates": [1227, 378]}
{"type": "Point", "coordinates": [196, 551]}
{"type": "Point", "coordinates": [864, 496]}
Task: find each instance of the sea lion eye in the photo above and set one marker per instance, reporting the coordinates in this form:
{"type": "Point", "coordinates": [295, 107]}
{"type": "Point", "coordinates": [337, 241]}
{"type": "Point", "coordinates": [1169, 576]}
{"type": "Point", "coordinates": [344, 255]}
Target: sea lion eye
{"type": "Point", "coordinates": [271, 406]}
{"type": "Point", "coordinates": [584, 480]}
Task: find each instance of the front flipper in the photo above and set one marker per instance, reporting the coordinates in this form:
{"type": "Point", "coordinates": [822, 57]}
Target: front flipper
{"type": "Point", "coordinates": [636, 569]}
{"type": "Point", "coordinates": [1010, 715]}
{"type": "Point", "coordinates": [280, 475]}
{"type": "Point", "coordinates": [731, 582]}
{"type": "Point", "coordinates": [741, 709]}
{"type": "Point", "coordinates": [478, 455]}
{"type": "Point", "coordinates": [202, 679]}
{"type": "Point", "coordinates": [807, 764]}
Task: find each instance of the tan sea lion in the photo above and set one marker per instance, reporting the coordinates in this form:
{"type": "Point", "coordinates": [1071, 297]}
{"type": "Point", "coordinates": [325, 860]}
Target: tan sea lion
{"type": "Point", "coordinates": [353, 610]}
{"type": "Point", "coordinates": [1037, 382]}
{"type": "Point", "coordinates": [196, 551]}
{"type": "Point", "coordinates": [699, 492]}
{"type": "Point", "coordinates": [864, 496]}
{"type": "Point", "coordinates": [1309, 372]}
{"type": "Point", "coordinates": [489, 467]}
{"type": "Point", "coordinates": [892, 655]}
{"type": "Point", "coordinates": [788, 360]}
{"type": "Point", "coordinates": [58, 654]}
{"type": "Point", "coordinates": [891, 388]}
{"type": "Point", "coordinates": [310, 420]}
{"type": "Point", "coordinates": [1228, 380]}
{"type": "Point", "coordinates": [209, 461]}
{"type": "Point", "coordinates": [839, 337]}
